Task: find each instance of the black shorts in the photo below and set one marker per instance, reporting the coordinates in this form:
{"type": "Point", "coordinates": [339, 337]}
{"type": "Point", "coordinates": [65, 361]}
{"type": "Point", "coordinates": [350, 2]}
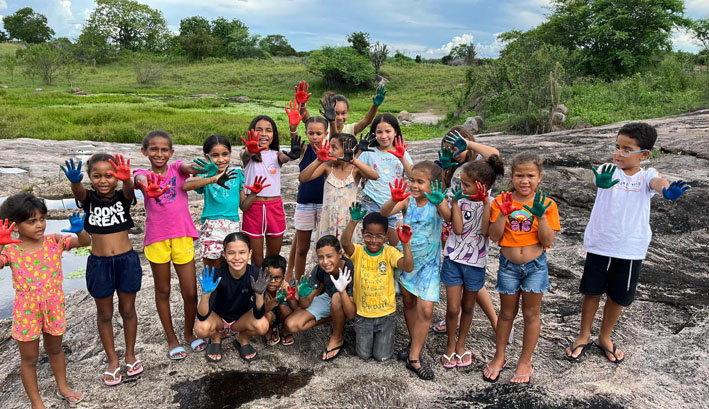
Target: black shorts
{"type": "Point", "coordinates": [615, 277]}
{"type": "Point", "coordinates": [104, 275]}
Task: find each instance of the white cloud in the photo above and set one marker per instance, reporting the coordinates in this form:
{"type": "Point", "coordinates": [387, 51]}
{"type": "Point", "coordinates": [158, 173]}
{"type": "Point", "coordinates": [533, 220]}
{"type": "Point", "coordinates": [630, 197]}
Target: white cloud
{"type": "Point", "coordinates": [66, 7]}
{"type": "Point", "coordinates": [3, 4]}
{"type": "Point", "coordinates": [683, 40]}
{"type": "Point", "coordinates": [697, 6]}
{"type": "Point", "coordinates": [446, 48]}
{"type": "Point", "coordinates": [491, 50]}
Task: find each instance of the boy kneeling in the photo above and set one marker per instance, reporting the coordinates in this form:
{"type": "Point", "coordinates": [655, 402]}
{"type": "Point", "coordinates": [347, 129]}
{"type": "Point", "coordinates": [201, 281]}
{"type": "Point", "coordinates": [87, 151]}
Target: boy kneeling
{"type": "Point", "coordinates": [326, 293]}
{"type": "Point", "coordinates": [232, 301]}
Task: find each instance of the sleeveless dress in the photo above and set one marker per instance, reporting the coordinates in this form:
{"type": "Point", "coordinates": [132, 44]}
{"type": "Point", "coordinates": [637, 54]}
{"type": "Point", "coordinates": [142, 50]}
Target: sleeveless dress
{"type": "Point", "coordinates": [338, 196]}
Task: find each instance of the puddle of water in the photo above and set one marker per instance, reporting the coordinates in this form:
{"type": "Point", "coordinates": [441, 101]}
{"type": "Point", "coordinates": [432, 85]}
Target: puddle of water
{"type": "Point", "coordinates": [231, 389]}
{"type": "Point", "coordinates": [12, 171]}
{"type": "Point", "coordinates": [60, 204]}
{"type": "Point", "coordinates": [71, 263]}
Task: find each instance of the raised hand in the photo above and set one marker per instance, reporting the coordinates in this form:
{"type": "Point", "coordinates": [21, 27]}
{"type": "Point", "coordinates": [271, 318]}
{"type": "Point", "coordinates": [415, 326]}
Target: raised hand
{"type": "Point", "coordinates": [437, 195]}
{"type": "Point", "coordinates": [460, 144]}
{"type": "Point", "coordinates": [206, 280]}
{"type": "Point", "coordinates": [675, 190]}
{"type": "Point", "coordinates": [296, 147]}
{"type": "Point", "coordinates": [72, 173]}
{"type": "Point", "coordinates": [445, 158]}
{"type": "Point", "coordinates": [343, 279]}
{"type": "Point", "coordinates": [305, 287]}
{"type": "Point", "coordinates": [290, 293]}
{"type": "Point", "coordinates": [152, 190]}
{"type": "Point", "coordinates": [399, 147]}
{"type": "Point", "coordinates": [206, 166]}
{"type": "Point", "coordinates": [301, 93]}
{"type": "Point", "coordinates": [482, 194]}
{"type": "Point", "coordinates": [324, 151]}
{"type": "Point", "coordinates": [506, 205]}
{"type": "Point", "coordinates": [259, 286]}
{"type": "Point", "coordinates": [258, 185]}
{"type": "Point", "coordinates": [381, 94]}
{"type": "Point", "coordinates": [348, 152]}
{"type": "Point", "coordinates": [328, 109]}
{"type": "Point", "coordinates": [604, 180]}
{"type": "Point", "coordinates": [538, 208]}
{"type": "Point", "coordinates": [6, 233]}
{"type": "Point", "coordinates": [404, 232]}
{"type": "Point", "coordinates": [77, 223]}
{"type": "Point", "coordinates": [281, 295]}
{"type": "Point", "coordinates": [398, 190]}
{"type": "Point", "coordinates": [356, 211]}
{"type": "Point", "coordinates": [228, 175]}
{"type": "Point", "coordinates": [252, 142]}
{"type": "Point", "coordinates": [366, 141]}
{"type": "Point", "coordinates": [458, 194]}
{"type": "Point", "coordinates": [294, 116]}
{"type": "Point", "coordinates": [122, 168]}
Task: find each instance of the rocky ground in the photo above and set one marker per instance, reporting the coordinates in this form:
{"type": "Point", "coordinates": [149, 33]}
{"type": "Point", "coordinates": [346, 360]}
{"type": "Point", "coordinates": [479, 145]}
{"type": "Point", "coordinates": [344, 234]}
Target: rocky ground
{"type": "Point", "coordinates": [663, 333]}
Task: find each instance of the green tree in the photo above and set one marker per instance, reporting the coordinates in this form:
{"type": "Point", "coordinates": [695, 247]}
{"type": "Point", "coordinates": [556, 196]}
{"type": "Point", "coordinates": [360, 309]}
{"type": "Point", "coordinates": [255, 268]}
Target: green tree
{"type": "Point", "coordinates": [9, 62]}
{"type": "Point", "coordinates": [700, 31]}
{"type": "Point", "coordinates": [222, 29]}
{"type": "Point", "coordinates": [42, 60]}
{"type": "Point", "coordinates": [464, 53]}
{"type": "Point", "coordinates": [28, 26]}
{"type": "Point", "coordinates": [93, 46]}
{"type": "Point", "coordinates": [359, 40]}
{"type": "Point", "coordinates": [341, 66]}
{"type": "Point", "coordinates": [3, 36]}
{"type": "Point", "coordinates": [277, 45]}
{"type": "Point", "coordinates": [128, 25]}
{"type": "Point", "coordinates": [196, 38]}
{"type": "Point", "coordinates": [378, 56]}
{"type": "Point", "coordinates": [241, 44]}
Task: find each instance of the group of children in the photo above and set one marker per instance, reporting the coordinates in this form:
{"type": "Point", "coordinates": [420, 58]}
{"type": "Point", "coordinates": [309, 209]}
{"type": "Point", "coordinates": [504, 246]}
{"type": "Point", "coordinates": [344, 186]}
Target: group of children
{"type": "Point", "coordinates": [422, 224]}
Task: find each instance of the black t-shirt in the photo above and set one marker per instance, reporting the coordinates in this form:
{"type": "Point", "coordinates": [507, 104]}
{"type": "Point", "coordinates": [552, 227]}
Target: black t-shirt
{"type": "Point", "coordinates": [234, 298]}
{"type": "Point", "coordinates": [106, 215]}
{"type": "Point", "coordinates": [320, 276]}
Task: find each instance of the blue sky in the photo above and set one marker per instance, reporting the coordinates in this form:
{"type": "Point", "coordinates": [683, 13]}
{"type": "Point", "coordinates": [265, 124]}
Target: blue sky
{"type": "Point", "coordinates": [429, 28]}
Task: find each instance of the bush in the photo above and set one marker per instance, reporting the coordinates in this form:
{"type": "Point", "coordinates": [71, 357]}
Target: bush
{"type": "Point", "coordinates": [42, 60]}
{"type": "Point", "coordinates": [341, 66]}
{"type": "Point", "coordinates": [401, 60]}
{"type": "Point", "coordinates": [146, 71]}
{"type": "Point", "coordinates": [674, 74]}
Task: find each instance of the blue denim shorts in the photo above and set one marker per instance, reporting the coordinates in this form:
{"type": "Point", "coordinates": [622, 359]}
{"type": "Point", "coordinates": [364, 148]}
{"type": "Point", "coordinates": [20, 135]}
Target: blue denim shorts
{"type": "Point", "coordinates": [320, 307]}
{"type": "Point", "coordinates": [370, 206]}
{"type": "Point", "coordinates": [453, 274]}
{"type": "Point", "coordinates": [529, 277]}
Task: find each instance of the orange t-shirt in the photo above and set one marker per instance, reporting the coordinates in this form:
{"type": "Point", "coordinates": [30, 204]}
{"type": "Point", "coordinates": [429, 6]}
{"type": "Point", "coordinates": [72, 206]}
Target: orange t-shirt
{"type": "Point", "coordinates": [521, 226]}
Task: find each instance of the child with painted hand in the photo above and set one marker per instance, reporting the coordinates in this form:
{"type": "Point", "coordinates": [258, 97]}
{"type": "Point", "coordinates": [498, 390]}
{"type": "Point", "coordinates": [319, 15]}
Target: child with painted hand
{"type": "Point", "coordinates": [232, 301]}
{"type": "Point", "coordinates": [524, 223]}
{"type": "Point", "coordinates": [343, 171]}
{"type": "Point", "coordinates": [391, 161]}
{"type": "Point", "coordinates": [266, 219]}
{"type": "Point", "coordinates": [618, 235]}
{"type": "Point", "coordinates": [223, 188]}
{"type": "Point", "coordinates": [36, 263]}
{"type": "Point", "coordinates": [465, 254]}
{"type": "Point", "coordinates": [279, 298]}
{"type": "Point", "coordinates": [169, 235]}
{"type": "Point", "coordinates": [459, 147]}
{"type": "Point", "coordinates": [424, 211]}
{"type": "Point", "coordinates": [326, 294]}
{"type": "Point", "coordinates": [113, 266]}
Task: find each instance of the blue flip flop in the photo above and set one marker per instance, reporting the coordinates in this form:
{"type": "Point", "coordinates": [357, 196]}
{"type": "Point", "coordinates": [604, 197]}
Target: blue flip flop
{"type": "Point", "coordinates": [197, 343]}
{"type": "Point", "coordinates": [177, 350]}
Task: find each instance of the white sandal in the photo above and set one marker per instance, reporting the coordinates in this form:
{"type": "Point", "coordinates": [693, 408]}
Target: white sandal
{"type": "Point", "coordinates": [116, 379]}
{"type": "Point", "coordinates": [130, 371]}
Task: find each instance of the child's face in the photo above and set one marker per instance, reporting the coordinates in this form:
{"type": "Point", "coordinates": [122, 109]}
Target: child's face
{"type": "Point", "coordinates": [315, 133]}
{"type": "Point", "coordinates": [341, 113]}
{"type": "Point", "coordinates": [237, 255]}
{"type": "Point", "coordinates": [525, 178]}
{"type": "Point", "coordinates": [275, 279]}
{"type": "Point", "coordinates": [623, 145]}
{"type": "Point", "coordinates": [461, 157]}
{"type": "Point", "coordinates": [419, 183]}
{"type": "Point", "coordinates": [385, 134]}
{"type": "Point", "coordinates": [103, 182]}
{"type": "Point", "coordinates": [374, 237]}
{"type": "Point", "coordinates": [32, 228]}
{"type": "Point", "coordinates": [468, 185]}
{"type": "Point", "coordinates": [159, 151]}
{"type": "Point", "coordinates": [266, 130]}
{"type": "Point", "coordinates": [329, 259]}
{"type": "Point", "coordinates": [336, 150]}
{"type": "Point", "coordinates": [221, 156]}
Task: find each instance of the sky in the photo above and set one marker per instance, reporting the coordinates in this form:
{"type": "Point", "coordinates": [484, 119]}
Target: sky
{"type": "Point", "coordinates": [428, 28]}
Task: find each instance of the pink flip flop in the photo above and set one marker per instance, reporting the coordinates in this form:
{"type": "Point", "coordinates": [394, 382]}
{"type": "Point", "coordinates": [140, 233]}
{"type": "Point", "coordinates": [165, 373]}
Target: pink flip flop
{"type": "Point", "coordinates": [130, 372]}
{"type": "Point", "coordinates": [451, 361]}
{"type": "Point", "coordinates": [116, 380]}
{"type": "Point", "coordinates": [460, 359]}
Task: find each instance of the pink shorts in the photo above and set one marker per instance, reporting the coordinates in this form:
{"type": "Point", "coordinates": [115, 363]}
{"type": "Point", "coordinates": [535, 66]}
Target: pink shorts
{"type": "Point", "coordinates": [264, 218]}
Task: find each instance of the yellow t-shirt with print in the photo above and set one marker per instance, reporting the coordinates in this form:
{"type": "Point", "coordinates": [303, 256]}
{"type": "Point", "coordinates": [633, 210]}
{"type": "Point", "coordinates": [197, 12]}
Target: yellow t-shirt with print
{"type": "Point", "coordinates": [374, 288]}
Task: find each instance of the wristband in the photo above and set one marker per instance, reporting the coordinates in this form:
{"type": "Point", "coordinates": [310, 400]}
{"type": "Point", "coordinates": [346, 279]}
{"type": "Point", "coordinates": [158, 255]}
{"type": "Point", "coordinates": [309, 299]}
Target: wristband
{"type": "Point", "coordinates": [203, 317]}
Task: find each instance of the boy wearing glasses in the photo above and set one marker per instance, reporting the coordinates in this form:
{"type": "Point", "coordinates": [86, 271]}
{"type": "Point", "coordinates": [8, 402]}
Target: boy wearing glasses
{"type": "Point", "coordinates": [278, 306]}
{"type": "Point", "coordinates": [374, 288]}
{"type": "Point", "coordinates": [618, 234]}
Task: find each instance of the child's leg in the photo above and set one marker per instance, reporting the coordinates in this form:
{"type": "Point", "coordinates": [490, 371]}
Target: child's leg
{"type": "Point", "coordinates": [409, 301]}
{"type": "Point", "coordinates": [126, 307]}
{"type": "Point", "coordinates": [453, 297]}
{"type": "Point", "coordinates": [29, 354]}
{"type": "Point", "coordinates": [291, 259]}
{"type": "Point", "coordinates": [299, 321]}
{"type": "Point", "coordinates": [55, 352]}
{"type": "Point", "coordinates": [485, 302]}
{"type": "Point", "coordinates": [364, 336]}
{"type": "Point", "coordinates": [466, 319]}
{"type": "Point", "coordinates": [423, 316]}
{"type": "Point", "coordinates": [210, 329]}
{"type": "Point", "coordinates": [611, 314]}
{"type": "Point", "coordinates": [531, 305]}
{"type": "Point", "coordinates": [187, 277]}
{"type": "Point", "coordinates": [383, 337]}
{"type": "Point", "coordinates": [509, 305]}
{"type": "Point", "coordinates": [337, 312]}
{"type": "Point", "coordinates": [161, 278]}
{"type": "Point", "coordinates": [212, 262]}
{"type": "Point", "coordinates": [274, 244]}
{"type": "Point", "coordinates": [301, 253]}
{"type": "Point", "coordinates": [589, 307]}
{"type": "Point", "coordinates": [256, 251]}
{"type": "Point", "coordinates": [104, 320]}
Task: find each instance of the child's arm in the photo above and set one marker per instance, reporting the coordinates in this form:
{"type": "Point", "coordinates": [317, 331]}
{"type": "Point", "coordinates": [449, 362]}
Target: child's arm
{"type": "Point", "coordinates": [245, 202]}
{"type": "Point", "coordinates": [82, 238]}
{"type": "Point", "coordinates": [405, 263]}
{"type": "Point", "coordinates": [343, 280]}
{"type": "Point", "coordinates": [437, 197]}
{"type": "Point", "coordinates": [198, 182]}
{"type": "Point", "coordinates": [456, 217]}
{"type": "Point", "coordinates": [506, 207]}
{"type": "Point", "coordinates": [6, 238]}
{"type": "Point", "coordinates": [670, 191]}
{"type": "Point", "coordinates": [364, 170]}
{"type": "Point", "coordinates": [252, 147]}
{"type": "Point", "coordinates": [73, 173]}
{"type": "Point", "coordinates": [369, 117]}
{"type": "Point", "coordinates": [399, 198]}
{"type": "Point", "coordinates": [208, 284]}
{"type": "Point", "coordinates": [346, 239]}
{"type": "Point", "coordinates": [314, 171]}
{"type": "Point", "coordinates": [462, 144]}
{"type": "Point", "coordinates": [545, 233]}
{"type": "Point", "coordinates": [486, 218]}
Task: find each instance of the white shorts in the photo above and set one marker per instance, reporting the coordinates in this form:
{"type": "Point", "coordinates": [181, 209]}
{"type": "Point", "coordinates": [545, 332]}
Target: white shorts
{"type": "Point", "coordinates": [212, 234]}
{"type": "Point", "coordinates": [307, 216]}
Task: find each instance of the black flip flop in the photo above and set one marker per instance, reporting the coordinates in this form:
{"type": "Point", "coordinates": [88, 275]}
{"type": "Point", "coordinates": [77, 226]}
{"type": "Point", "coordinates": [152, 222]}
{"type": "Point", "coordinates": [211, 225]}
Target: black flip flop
{"type": "Point", "coordinates": [213, 349]}
{"type": "Point", "coordinates": [339, 352]}
{"type": "Point", "coordinates": [245, 350]}
{"type": "Point", "coordinates": [572, 348]}
{"type": "Point", "coordinates": [423, 371]}
{"type": "Point", "coordinates": [607, 351]}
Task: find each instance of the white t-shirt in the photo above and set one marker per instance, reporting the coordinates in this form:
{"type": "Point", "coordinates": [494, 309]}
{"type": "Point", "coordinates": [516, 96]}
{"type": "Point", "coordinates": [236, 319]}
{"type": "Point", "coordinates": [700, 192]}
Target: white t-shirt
{"type": "Point", "coordinates": [471, 247]}
{"type": "Point", "coordinates": [619, 226]}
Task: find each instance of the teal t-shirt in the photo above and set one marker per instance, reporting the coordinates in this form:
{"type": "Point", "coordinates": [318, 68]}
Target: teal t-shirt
{"type": "Point", "coordinates": [220, 203]}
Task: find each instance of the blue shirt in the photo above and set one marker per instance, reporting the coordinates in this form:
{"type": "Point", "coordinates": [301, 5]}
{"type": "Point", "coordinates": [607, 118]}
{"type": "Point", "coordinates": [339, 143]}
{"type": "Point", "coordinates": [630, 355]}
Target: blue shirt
{"type": "Point", "coordinates": [310, 192]}
{"type": "Point", "coordinates": [220, 203]}
{"type": "Point", "coordinates": [389, 168]}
